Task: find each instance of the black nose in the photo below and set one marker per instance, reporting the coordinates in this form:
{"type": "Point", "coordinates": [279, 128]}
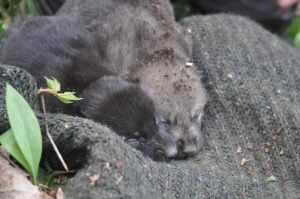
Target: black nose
{"type": "Point", "coordinates": [159, 155]}
{"type": "Point", "coordinates": [186, 149]}
{"type": "Point", "coordinates": [190, 149]}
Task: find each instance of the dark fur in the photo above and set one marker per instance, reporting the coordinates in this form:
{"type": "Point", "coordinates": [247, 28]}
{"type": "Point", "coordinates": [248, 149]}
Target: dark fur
{"type": "Point", "coordinates": [140, 40]}
{"type": "Point", "coordinates": [55, 47]}
{"type": "Point", "coordinates": [62, 48]}
{"type": "Point", "coordinates": [128, 110]}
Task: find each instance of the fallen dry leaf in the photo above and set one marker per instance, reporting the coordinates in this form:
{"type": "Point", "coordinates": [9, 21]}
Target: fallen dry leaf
{"type": "Point", "coordinates": [57, 193]}
{"type": "Point", "coordinates": [14, 184]}
{"type": "Point", "coordinates": [239, 149]}
{"type": "Point", "coordinates": [4, 152]}
{"type": "Point", "coordinates": [267, 150]}
{"type": "Point", "coordinates": [281, 152]}
{"type": "Point", "coordinates": [94, 178]}
{"type": "Point", "coordinates": [107, 166]}
{"type": "Point", "coordinates": [244, 161]}
{"type": "Point", "coordinates": [60, 194]}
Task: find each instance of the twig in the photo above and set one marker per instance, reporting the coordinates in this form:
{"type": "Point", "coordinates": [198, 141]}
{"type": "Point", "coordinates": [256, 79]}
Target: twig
{"type": "Point", "coordinates": [45, 187]}
{"type": "Point", "coordinates": [119, 180]}
{"type": "Point", "coordinates": [55, 173]}
{"type": "Point", "coordinates": [49, 136]}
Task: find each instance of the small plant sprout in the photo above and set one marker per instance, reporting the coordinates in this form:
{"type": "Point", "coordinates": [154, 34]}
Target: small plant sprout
{"type": "Point", "coordinates": [24, 139]}
{"type": "Point", "coordinates": [66, 97]}
{"type": "Point", "coordinates": [53, 89]}
{"type": "Point", "coordinates": [11, 8]}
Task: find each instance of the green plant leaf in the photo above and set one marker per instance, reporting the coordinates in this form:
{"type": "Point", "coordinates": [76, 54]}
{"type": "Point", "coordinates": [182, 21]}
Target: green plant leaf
{"type": "Point", "coordinates": [53, 83]}
{"type": "Point", "coordinates": [294, 28]}
{"type": "Point", "coordinates": [25, 128]}
{"type": "Point", "coordinates": [2, 9]}
{"type": "Point", "coordinates": [297, 40]}
{"type": "Point", "coordinates": [31, 7]}
{"type": "Point", "coordinates": [44, 176]}
{"type": "Point", "coordinates": [13, 7]}
{"type": "Point", "coordinates": [2, 31]}
{"type": "Point", "coordinates": [67, 97]}
{"type": "Point", "coordinates": [271, 179]}
{"type": "Point", "coordinates": [8, 141]}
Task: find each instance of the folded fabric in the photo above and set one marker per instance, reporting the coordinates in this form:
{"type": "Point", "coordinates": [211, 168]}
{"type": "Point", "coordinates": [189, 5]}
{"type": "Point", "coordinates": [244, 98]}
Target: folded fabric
{"type": "Point", "coordinates": [251, 123]}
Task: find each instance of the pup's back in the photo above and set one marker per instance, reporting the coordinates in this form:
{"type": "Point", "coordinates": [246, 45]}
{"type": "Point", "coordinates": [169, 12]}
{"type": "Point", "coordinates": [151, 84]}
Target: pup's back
{"type": "Point", "coordinates": [55, 47]}
{"type": "Point", "coordinates": [130, 34]}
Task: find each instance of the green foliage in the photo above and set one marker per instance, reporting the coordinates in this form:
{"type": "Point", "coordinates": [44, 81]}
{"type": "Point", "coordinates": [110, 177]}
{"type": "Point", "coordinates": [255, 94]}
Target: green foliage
{"type": "Point", "coordinates": [271, 179]}
{"type": "Point", "coordinates": [10, 8]}
{"type": "Point", "coordinates": [297, 40]}
{"type": "Point", "coordinates": [28, 7]}
{"type": "Point", "coordinates": [67, 97]}
{"type": "Point", "coordinates": [23, 141]}
{"type": "Point", "coordinates": [2, 30]}
{"type": "Point", "coordinates": [294, 28]}
{"type": "Point", "coordinates": [54, 85]}
{"type": "Point", "coordinates": [9, 142]}
{"type": "Point", "coordinates": [44, 177]}
{"type": "Point", "coordinates": [293, 31]}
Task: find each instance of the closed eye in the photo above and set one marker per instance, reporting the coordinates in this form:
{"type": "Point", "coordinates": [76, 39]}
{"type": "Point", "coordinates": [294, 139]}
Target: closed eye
{"type": "Point", "coordinates": [163, 123]}
{"type": "Point", "coordinates": [166, 123]}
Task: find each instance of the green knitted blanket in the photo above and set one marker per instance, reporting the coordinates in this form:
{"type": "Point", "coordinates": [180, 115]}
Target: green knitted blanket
{"type": "Point", "coordinates": [251, 123]}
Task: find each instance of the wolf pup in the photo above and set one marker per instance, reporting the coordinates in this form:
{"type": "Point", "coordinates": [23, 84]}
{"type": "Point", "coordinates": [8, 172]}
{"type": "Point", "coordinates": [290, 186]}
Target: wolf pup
{"type": "Point", "coordinates": [140, 41]}
{"type": "Point", "coordinates": [64, 49]}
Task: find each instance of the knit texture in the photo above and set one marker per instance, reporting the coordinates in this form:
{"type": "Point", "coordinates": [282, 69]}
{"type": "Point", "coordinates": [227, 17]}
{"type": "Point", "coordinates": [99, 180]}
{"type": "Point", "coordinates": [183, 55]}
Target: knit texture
{"type": "Point", "coordinates": [253, 84]}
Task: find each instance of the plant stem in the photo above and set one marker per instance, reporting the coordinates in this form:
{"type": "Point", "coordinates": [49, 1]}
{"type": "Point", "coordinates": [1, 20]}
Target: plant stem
{"type": "Point", "coordinates": [39, 92]}
{"type": "Point", "coordinates": [49, 136]}
{"type": "Point", "coordinates": [35, 99]}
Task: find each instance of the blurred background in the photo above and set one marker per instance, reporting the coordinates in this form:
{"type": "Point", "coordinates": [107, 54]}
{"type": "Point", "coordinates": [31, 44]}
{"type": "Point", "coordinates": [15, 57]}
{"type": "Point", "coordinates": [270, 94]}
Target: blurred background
{"type": "Point", "coordinates": [281, 17]}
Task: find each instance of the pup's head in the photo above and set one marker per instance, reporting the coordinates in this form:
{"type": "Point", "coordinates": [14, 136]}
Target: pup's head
{"type": "Point", "coordinates": [179, 99]}
{"type": "Point", "coordinates": [130, 112]}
